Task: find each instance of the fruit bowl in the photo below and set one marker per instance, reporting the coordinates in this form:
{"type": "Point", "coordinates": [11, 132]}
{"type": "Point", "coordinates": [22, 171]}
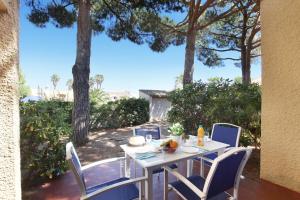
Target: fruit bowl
{"type": "Point", "coordinates": [169, 149]}
{"type": "Point", "coordinates": [169, 146]}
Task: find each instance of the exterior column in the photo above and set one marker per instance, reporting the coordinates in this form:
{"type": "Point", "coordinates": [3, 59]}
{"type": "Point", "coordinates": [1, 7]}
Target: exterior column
{"type": "Point", "coordinates": [10, 179]}
{"type": "Point", "coordinates": [280, 145]}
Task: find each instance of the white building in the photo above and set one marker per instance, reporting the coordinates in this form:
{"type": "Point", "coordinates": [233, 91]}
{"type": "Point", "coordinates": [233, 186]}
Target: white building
{"type": "Point", "coordinates": [116, 95]}
{"type": "Point", "coordinates": [159, 104]}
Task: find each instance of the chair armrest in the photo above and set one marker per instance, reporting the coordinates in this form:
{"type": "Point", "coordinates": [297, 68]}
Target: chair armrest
{"type": "Point", "coordinates": [100, 162]}
{"type": "Point", "coordinates": [229, 148]}
{"type": "Point", "coordinates": [184, 180]}
{"type": "Point", "coordinates": [113, 186]}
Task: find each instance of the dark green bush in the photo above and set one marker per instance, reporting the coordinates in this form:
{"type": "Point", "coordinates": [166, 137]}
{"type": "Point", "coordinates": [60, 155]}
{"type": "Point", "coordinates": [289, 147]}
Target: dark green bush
{"type": "Point", "coordinates": [219, 101]}
{"type": "Point", "coordinates": [188, 106]}
{"type": "Point", "coordinates": [45, 128]}
{"type": "Point", "coordinates": [132, 112]}
{"type": "Point", "coordinates": [104, 116]}
{"type": "Point", "coordinates": [120, 113]}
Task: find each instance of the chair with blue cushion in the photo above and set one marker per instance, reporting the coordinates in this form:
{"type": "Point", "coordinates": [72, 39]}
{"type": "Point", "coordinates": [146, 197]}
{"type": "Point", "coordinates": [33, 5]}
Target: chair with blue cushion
{"type": "Point", "coordinates": [224, 175]}
{"type": "Point", "coordinates": [118, 189]}
{"type": "Point", "coordinates": [155, 131]}
{"type": "Point", "coordinates": [225, 133]}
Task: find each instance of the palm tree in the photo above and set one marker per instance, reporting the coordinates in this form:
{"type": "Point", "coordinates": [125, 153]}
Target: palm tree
{"type": "Point", "coordinates": [99, 78]}
{"type": "Point", "coordinates": [54, 79]}
{"type": "Point", "coordinates": [92, 82]}
{"type": "Point", "coordinates": [69, 84]}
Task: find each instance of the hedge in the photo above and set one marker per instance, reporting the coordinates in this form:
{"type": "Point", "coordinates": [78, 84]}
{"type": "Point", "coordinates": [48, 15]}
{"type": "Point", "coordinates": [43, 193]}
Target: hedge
{"type": "Point", "coordinates": [219, 101]}
{"type": "Point", "coordinates": [46, 127]}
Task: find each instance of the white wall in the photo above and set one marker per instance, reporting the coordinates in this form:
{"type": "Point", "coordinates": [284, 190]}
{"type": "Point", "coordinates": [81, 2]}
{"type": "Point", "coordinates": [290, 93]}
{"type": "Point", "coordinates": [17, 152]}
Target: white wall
{"type": "Point", "coordinates": [159, 108]}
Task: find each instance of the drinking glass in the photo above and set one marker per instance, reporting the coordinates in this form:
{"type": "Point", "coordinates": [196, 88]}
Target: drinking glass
{"type": "Point", "coordinates": [148, 138]}
{"type": "Point", "coordinates": [206, 136]}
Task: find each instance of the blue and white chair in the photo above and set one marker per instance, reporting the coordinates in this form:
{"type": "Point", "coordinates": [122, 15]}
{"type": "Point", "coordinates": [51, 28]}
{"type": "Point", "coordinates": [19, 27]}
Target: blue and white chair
{"type": "Point", "coordinates": [155, 131]}
{"type": "Point", "coordinates": [119, 189]}
{"type": "Point", "coordinates": [224, 175]}
{"type": "Point", "coordinates": [225, 133]}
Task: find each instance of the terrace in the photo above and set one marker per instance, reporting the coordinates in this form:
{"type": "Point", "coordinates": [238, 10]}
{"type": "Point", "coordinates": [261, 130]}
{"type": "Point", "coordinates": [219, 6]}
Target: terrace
{"type": "Point", "coordinates": [102, 142]}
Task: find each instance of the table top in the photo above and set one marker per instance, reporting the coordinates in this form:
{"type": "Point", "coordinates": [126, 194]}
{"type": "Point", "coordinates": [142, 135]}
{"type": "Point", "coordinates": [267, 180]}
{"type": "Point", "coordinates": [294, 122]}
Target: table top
{"type": "Point", "coordinates": [166, 158]}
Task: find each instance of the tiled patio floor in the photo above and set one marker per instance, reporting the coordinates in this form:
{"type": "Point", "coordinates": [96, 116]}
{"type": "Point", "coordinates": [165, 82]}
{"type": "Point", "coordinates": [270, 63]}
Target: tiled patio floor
{"type": "Point", "coordinates": [65, 188]}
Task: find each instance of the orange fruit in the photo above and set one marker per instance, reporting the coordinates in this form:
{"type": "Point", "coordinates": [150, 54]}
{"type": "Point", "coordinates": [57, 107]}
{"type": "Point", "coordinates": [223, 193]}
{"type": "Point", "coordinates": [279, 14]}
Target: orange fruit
{"type": "Point", "coordinates": [173, 144]}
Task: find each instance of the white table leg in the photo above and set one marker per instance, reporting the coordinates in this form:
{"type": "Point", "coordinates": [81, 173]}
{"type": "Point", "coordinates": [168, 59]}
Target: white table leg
{"type": "Point", "coordinates": [189, 167]}
{"type": "Point", "coordinates": [202, 167]}
{"type": "Point", "coordinates": [149, 184]}
{"type": "Point", "coordinates": [142, 191]}
{"type": "Point", "coordinates": [127, 165]}
{"type": "Point", "coordinates": [166, 182]}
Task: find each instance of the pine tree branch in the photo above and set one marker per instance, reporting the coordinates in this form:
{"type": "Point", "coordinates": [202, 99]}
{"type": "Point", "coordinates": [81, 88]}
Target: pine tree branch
{"type": "Point", "coordinates": [225, 14]}
{"type": "Point", "coordinates": [221, 50]}
{"type": "Point", "coordinates": [183, 22]}
{"type": "Point", "coordinates": [257, 41]}
{"type": "Point", "coordinates": [234, 59]}
{"type": "Point", "coordinates": [225, 35]}
{"type": "Point", "coordinates": [202, 9]}
{"type": "Point", "coordinates": [255, 46]}
{"type": "Point", "coordinates": [172, 29]}
{"type": "Point", "coordinates": [112, 10]}
{"type": "Point", "coordinates": [255, 56]}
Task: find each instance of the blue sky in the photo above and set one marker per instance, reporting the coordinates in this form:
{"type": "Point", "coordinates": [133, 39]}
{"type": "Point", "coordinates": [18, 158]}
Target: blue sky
{"type": "Point", "coordinates": [125, 66]}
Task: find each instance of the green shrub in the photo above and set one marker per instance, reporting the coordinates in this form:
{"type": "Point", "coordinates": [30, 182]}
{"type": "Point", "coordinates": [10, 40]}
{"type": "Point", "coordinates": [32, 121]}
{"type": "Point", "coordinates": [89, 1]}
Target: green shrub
{"type": "Point", "coordinates": [120, 113]}
{"type": "Point", "coordinates": [104, 116]}
{"type": "Point", "coordinates": [132, 112]}
{"type": "Point", "coordinates": [98, 97]}
{"type": "Point", "coordinates": [45, 128]}
{"type": "Point", "coordinates": [188, 106]}
{"type": "Point", "coordinates": [219, 101]}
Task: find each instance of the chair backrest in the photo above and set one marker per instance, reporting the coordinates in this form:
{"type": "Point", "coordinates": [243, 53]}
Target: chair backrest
{"type": "Point", "coordinates": [74, 163]}
{"type": "Point", "coordinates": [154, 131]}
{"type": "Point", "coordinates": [226, 171]}
{"type": "Point", "coordinates": [226, 133]}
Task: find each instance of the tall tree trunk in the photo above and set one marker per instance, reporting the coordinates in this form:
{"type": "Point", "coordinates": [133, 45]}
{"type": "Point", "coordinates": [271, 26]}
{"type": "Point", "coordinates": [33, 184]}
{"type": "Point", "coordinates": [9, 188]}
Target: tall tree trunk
{"type": "Point", "coordinates": [189, 57]}
{"type": "Point", "coordinates": [245, 65]}
{"type": "Point", "coordinates": [247, 68]}
{"type": "Point", "coordinates": [244, 52]}
{"type": "Point", "coordinates": [81, 73]}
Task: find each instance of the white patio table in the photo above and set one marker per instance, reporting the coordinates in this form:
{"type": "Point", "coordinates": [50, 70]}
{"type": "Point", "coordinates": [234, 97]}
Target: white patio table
{"type": "Point", "coordinates": [164, 159]}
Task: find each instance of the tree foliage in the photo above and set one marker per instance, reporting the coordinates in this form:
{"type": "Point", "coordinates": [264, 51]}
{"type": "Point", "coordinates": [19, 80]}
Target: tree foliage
{"type": "Point", "coordinates": [120, 113]}
{"type": "Point", "coordinates": [24, 89]}
{"type": "Point", "coordinates": [196, 16]}
{"type": "Point", "coordinates": [238, 34]}
{"type": "Point", "coordinates": [218, 100]}
{"type": "Point", "coordinates": [99, 78]}
{"type": "Point", "coordinates": [55, 79]}
{"type": "Point", "coordinates": [45, 128]}
{"type": "Point", "coordinates": [117, 18]}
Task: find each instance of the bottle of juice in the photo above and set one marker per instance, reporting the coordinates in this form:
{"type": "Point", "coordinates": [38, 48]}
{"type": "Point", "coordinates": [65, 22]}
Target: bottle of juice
{"type": "Point", "coordinates": [200, 135]}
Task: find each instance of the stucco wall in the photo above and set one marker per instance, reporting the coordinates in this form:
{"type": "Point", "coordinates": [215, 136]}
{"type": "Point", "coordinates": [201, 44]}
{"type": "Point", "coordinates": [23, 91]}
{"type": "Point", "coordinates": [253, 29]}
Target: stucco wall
{"type": "Point", "coordinates": [159, 108]}
{"type": "Point", "coordinates": [10, 187]}
{"type": "Point", "coordinates": [280, 156]}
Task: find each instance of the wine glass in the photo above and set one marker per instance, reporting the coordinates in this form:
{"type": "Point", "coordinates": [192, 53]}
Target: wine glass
{"type": "Point", "coordinates": [206, 136]}
{"type": "Point", "coordinates": [148, 138]}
